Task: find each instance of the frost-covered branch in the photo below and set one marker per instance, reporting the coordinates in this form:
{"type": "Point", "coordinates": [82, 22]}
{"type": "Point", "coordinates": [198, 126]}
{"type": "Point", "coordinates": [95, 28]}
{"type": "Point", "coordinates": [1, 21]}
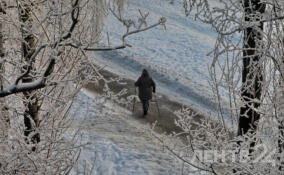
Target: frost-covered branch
{"type": "Point", "coordinates": [99, 48]}
{"type": "Point", "coordinates": [38, 84]}
{"type": "Point", "coordinates": [130, 23]}
{"type": "Point", "coordinates": [15, 88]}
{"type": "Point", "coordinates": [162, 21]}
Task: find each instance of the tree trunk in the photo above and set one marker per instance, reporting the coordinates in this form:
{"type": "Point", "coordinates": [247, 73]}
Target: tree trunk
{"type": "Point", "coordinates": [2, 12]}
{"type": "Point", "coordinates": [281, 147]}
{"type": "Point", "coordinates": [280, 115]}
{"type": "Point", "coordinates": [28, 47]}
{"type": "Point", "coordinates": [4, 119]}
{"type": "Point", "coordinates": [252, 68]}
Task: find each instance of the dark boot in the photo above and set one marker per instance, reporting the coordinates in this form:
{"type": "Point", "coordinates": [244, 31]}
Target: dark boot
{"type": "Point", "coordinates": [145, 113]}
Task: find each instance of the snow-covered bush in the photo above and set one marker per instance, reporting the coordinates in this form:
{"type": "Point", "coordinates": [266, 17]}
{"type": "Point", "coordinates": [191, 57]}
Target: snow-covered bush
{"type": "Point", "coordinates": [247, 65]}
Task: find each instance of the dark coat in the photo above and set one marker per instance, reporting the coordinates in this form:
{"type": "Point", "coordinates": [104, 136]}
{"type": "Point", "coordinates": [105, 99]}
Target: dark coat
{"type": "Point", "coordinates": [146, 86]}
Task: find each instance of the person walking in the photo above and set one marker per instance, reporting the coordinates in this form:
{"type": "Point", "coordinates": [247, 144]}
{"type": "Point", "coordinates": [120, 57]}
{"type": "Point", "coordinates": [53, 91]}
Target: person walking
{"type": "Point", "coordinates": [146, 86]}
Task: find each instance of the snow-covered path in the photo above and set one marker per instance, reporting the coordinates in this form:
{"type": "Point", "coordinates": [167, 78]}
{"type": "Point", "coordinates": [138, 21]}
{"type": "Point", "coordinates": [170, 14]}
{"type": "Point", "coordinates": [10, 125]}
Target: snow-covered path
{"type": "Point", "coordinates": [118, 142]}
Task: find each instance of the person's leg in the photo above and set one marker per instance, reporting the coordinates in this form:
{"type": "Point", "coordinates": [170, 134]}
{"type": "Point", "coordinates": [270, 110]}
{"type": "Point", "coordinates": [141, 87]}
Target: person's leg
{"type": "Point", "coordinates": [146, 107]}
{"type": "Point", "coordinates": [144, 103]}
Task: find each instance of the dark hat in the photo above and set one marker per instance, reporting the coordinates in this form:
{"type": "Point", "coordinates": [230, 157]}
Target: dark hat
{"type": "Point", "coordinates": [145, 73]}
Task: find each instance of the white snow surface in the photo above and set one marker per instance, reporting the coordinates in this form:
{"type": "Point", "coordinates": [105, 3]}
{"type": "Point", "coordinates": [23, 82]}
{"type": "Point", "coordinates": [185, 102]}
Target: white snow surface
{"type": "Point", "coordinates": [118, 143]}
{"type": "Point", "coordinates": [175, 57]}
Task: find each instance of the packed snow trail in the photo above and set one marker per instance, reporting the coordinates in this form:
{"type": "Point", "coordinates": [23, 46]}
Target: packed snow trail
{"type": "Point", "coordinates": [118, 144]}
{"type": "Point", "coordinates": [175, 57]}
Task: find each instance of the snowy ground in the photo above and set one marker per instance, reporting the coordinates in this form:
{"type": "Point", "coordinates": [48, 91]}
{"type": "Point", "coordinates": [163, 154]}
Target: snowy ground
{"type": "Point", "coordinates": [177, 60]}
{"type": "Point", "coordinates": [118, 143]}
{"type": "Point", "coordinates": [176, 57]}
